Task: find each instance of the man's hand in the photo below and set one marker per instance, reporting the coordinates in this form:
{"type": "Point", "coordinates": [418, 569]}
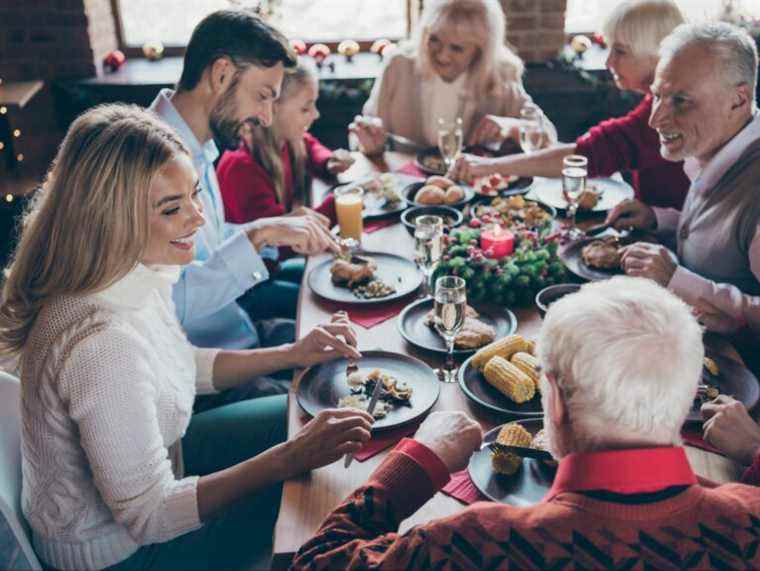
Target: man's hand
{"type": "Point", "coordinates": [649, 261]}
{"type": "Point", "coordinates": [370, 132]}
{"type": "Point", "coordinates": [631, 214]}
{"type": "Point", "coordinates": [467, 168]}
{"type": "Point", "coordinates": [302, 233]}
{"type": "Point", "coordinates": [340, 161]}
{"type": "Point", "coordinates": [729, 427]}
{"type": "Point", "coordinates": [306, 211]}
{"type": "Point", "coordinates": [453, 436]}
{"type": "Point", "coordinates": [326, 342]}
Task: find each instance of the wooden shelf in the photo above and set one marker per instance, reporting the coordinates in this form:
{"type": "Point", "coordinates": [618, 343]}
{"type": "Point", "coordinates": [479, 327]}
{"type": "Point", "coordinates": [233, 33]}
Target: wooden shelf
{"type": "Point", "coordinates": [18, 93]}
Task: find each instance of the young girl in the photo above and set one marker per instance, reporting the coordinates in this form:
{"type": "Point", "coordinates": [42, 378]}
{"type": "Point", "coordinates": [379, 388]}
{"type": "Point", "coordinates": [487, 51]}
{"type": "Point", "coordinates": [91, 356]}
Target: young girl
{"type": "Point", "coordinates": [269, 175]}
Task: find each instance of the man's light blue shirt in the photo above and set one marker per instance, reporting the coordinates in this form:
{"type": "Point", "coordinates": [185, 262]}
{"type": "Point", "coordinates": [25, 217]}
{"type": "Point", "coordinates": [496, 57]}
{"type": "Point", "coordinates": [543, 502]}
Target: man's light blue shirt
{"type": "Point", "coordinates": [226, 263]}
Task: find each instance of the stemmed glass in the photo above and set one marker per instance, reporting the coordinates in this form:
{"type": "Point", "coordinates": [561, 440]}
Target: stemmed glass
{"type": "Point", "coordinates": [450, 307]}
{"type": "Point", "coordinates": [450, 140]}
{"type": "Point", "coordinates": [531, 128]}
{"type": "Point", "coordinates": [574, 173]}
{"type": "Point", "coordinates": [428, 235]}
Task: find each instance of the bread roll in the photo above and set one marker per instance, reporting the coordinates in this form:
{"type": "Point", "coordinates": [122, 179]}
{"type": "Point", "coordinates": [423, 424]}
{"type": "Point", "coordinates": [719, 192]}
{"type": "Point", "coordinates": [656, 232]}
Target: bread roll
{"type": "Point", "coordinates": [454, 194]}
{"type": "Point", "coordinates": [439, 181]}
{"type": "Point", "coordinates": [430, 195]}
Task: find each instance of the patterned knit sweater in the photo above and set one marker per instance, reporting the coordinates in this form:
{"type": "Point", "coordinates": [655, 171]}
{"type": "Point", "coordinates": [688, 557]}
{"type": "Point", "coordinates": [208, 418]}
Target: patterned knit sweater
{"type": "Point", "coordinates": [691, 528]}
{"type": "Point", "coordinates": [108, 382]}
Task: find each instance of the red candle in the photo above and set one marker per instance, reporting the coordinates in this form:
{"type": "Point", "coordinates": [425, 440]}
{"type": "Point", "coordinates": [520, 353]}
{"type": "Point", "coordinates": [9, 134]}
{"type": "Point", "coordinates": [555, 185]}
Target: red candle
{"type": "Point", "coordinates": [497, 242]}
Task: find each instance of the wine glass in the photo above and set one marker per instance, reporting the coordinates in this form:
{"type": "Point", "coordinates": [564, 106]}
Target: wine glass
{"type": "Point", "coordinates": [428, 234]}
{"type": "Point", "coordinates": [574, 173]}
{"type": "Point", "coordinates": [450, 139]}
{"type": "Point", "coordinates": [450, 307]}
{"type": "Point", "coordinates": [531, 128]}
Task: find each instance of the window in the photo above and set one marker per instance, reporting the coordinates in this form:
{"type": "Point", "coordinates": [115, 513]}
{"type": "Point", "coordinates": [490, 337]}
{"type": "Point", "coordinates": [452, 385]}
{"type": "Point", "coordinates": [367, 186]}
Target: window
{"type": "Point", "coordinates": [588, 15]}
{"type": "Point", "coordinates": [172, 21]}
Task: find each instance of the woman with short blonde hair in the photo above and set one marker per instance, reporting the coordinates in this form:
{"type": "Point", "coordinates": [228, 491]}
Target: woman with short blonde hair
{"type": "Point", "coordinates": [633, 31]}
{"type": "Point", "coordinates": [456, 65]}
{"type": "Point", "coordinates": [116, 473]}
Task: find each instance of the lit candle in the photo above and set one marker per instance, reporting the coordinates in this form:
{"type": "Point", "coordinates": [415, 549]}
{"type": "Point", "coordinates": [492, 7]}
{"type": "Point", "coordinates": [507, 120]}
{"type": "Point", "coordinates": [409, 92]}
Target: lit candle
{"type": "Point", "coordinates": [497, 242]}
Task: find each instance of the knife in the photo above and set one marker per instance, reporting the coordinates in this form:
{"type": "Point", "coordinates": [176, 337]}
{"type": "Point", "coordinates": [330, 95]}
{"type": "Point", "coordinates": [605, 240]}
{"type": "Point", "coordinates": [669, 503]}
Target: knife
{"type": "Point", "coordinates": [401, 143]}
{"type": "Point", "coordinates": [370, 409]}
{"type": "Point", "coordinates": [598, 229]}
{"type": "Point", "coordinates": [522, 451]}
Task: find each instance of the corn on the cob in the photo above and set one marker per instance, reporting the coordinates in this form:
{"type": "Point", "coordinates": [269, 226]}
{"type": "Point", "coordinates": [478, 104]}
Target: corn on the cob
{"type": "Point", "coordinates": [505, 348]}
{"type": "Point", "coordinates": [528, 364]}
{"type": "Point", "coordinates": [711, 366]}
{"type": "Point", "coordinates": [530, 347]}
{"type": "Point", "coordinates": [512, 434]}
{"type": "Point", "coordinates": [508, 379]}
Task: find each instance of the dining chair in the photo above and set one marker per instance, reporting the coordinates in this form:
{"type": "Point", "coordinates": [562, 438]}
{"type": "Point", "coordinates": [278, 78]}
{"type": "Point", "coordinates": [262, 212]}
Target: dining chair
{"type": "Point", "coordinates": [15, 547]}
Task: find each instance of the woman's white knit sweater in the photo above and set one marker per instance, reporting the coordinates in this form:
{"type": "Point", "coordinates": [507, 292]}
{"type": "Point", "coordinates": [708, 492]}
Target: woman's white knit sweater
{"type": "Point", "coordinates": [108, 383]}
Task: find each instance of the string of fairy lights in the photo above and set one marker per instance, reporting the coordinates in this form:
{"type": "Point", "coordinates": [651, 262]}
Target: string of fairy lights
{"type": "Point", "coordinates": [5, 146]}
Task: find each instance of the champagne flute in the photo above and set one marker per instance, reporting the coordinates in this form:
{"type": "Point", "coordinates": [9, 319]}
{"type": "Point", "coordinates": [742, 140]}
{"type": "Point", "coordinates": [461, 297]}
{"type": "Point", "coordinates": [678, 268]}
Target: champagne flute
{"type": "Point", "coordinates": [428, 234]}
{"type": "Point", "coordinates": [531, 128]}
{"type": "Point", "coordinates": [450, 140]}
{"type": "Point", "coordinates": [450, 307]}
{"type": "Point", "coordinates": [574, 173]}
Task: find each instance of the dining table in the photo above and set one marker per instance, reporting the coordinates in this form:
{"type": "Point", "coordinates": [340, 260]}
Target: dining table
{"type": "Point", "coordinates": [310, 497]}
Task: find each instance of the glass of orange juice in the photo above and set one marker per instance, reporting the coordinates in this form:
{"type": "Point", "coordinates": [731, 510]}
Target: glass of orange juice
{"type": "Point", "coordinates": [349, 201]}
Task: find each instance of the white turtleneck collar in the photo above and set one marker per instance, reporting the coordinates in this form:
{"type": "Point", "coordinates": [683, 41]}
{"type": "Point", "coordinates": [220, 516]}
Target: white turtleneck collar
{"type": "Point", "coordinates": [133, 289]}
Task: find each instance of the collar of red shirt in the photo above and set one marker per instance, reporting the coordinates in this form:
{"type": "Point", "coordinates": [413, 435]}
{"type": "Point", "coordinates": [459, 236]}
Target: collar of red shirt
{"type": "Point", "coordinates": [634, 471]}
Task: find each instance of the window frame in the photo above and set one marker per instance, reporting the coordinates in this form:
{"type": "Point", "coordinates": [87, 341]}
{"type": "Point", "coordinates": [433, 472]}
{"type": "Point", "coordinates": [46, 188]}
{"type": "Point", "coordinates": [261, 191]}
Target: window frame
{"type": "Point", "coordinates": [413, 10]}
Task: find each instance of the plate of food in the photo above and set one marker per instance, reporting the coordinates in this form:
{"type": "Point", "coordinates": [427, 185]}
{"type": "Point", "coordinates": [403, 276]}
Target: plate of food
{"type": "Point", "coordinates": [723, 375]}
{"type": "Point", "coordinates": [364, 278]}
{"type": "Point", "coordinates": [483, 324]}
{"type": "Point", "coordinates": [593, 259]}
{"type": "Point", "coordinates": [515, 213]}
{"type": "Point", "coordinates": [601, 194]}
{"type": "Point", "coordinates": [436, 191]}
{"type": "Point", "coordinates": [430, 160]}
{"type": "Point", "coordinates": [507, 478]}
{"type": "Point", "coordinates": [503, 377]}
{"type": "Point", "coordinates": [501, 185]}
{"type": "Point", "coordinates": [410, 388]}
{"type": "Point", "coordinates": [383, 194]}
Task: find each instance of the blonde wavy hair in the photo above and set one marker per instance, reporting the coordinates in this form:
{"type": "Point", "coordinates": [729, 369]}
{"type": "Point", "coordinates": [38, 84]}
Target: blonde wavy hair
{"type": "Point", "coordinates": [642, 24]}
{"type": "Point", "coordinates": [266, 148]}
{"type": "Point", "coordinates": [87, 227]}
{"type": "Point", "coordinates": [484, 22]}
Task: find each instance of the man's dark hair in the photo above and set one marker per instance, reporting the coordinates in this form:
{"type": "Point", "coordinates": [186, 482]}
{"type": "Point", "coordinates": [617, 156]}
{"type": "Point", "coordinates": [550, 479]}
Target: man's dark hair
{"type": "Point", "coordinates": [239, 35]}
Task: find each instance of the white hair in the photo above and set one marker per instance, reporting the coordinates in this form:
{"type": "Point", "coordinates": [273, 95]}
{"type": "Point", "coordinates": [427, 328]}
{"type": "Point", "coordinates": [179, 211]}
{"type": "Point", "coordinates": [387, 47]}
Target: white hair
{"type": "Point", "coordinates": [483, 21]}
{"type": "Point", "coordinates": [627, 355]}
{"type": "Point", "coordinates": [642, 24]}
{"type": "Point", "coordinates": [732, 47]}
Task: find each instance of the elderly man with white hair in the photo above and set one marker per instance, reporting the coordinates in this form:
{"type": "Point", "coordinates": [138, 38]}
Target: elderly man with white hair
{"type": "Point", "coordinates": [621, 362]}
{"type": "Point", "coordinates": [705, 112]}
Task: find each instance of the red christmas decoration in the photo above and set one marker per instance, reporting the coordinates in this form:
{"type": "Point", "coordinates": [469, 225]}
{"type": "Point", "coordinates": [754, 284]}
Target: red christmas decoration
{"type": "Point", "coordinates": [114, 60]}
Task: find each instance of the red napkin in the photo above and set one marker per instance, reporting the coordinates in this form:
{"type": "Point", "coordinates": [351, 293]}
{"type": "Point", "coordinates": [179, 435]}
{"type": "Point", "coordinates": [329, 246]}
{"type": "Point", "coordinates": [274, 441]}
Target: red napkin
{"type": "Point", "coordinates": [370, 315]}
{"type": "Point", "coordinates": [693, 437]}
{"type": "Point", "coordinates": [461, 488]}
{"type": "Point", "coordinates": [375, 225]}
{"type": "Point", "coordinates": [412, 169]}
{"type": "Point", "coordinates": [384, 440]}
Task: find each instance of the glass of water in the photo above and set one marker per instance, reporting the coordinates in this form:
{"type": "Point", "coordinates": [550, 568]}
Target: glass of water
{"type": "Point", "coordinates": [574, 173]}
{"type": "Point", "coordinates": [450, 140]}
{"type": "Point", "coordinates": [428, 237]}
{"type": "Point", "coordinates": [532, 131]}
{"type": "Point", "coordinates": [449, 309]}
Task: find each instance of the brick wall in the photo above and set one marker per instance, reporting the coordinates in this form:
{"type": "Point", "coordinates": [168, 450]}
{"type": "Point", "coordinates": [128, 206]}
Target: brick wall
{"type": "Point", "coordinates": [50, 39]}
{"type": "Point", "coordinates": [536, 28]}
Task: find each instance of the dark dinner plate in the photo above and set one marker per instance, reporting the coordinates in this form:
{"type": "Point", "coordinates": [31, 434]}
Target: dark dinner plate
{"type": "Point", "coordinates": [526, 487]}
{"type": "Point", "coordinates": [412, 189]}
{"type": "Point", "coordinates": [412, 326]}
{"type": "Point", "coordinates": [549, 190]}
{"type": "Point", "coordinates": [392, 269]}
{"type": "Point", "coordinates": [732, 379]}
{"type": "Point", "coordinates": [376, 207]}
{"type": "Point", "coordinates": [322, 386]}
{"type": "Point", "coordinates": [570, 255]}
{"type": "Point", "coordinates": [476, 388]}
{"type": "Point", "coordinates": [430, 161]}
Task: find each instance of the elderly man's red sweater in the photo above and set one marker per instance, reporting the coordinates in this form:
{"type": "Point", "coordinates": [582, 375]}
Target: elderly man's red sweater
{"type": "Point", "coordinates": [631, 509]}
